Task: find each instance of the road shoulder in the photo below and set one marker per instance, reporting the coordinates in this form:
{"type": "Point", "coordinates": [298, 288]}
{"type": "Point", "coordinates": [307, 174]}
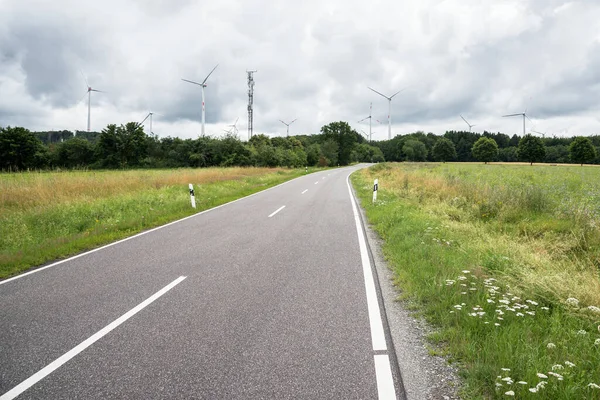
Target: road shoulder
{"type": "Point", "coordinates": [424, 376]}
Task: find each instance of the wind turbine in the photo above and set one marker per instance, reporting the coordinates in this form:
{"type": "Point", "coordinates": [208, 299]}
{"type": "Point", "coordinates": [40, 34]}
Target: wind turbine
{"type": "Point", "coordinates": [288, 125]}
{"type": "Point", "coordinates": [524, 114]}
{"type": "Point", "coordinates": [89, 94]}
{"type": "Point", "coordinates": [540, 133]}
{"type": "Point", "coordinates": [370, 118]}
{"type": "Point", "coordinates": [389, 109]}
{"type": "Point", "coordinates": [470, 126]}
{"type": "Point", "coordinates": [150, 114]}
{"type": "Point", "coordinates": [233, 127]}
{"type": "Point", "coordinates": [203, 85]}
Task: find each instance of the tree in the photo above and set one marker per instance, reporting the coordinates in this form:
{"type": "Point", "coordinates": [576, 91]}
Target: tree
{"type": "Point", "coordinates": [415, 150]}
{"type": "Point", "coordinates": [582, 150]}
{"type": "Point", "coordinates": [444, 150]}
{"type": "Point", "coordinates": [508, 154]}
{"type": "Point", "coordinates": [122, 146]}
{"type": "Point", "coordinates": [531, 149]}
{"type": "Point", "coordinates": [345, 137]}
{"type": "Point", "coordinates": [20, 149]}
{"type": "Point", "coordinates": [313, 152]}
{"type": "Point", "coordinates": [75, 152]}
{"type": "Point", "coordinates": [329, 150]}
{"type": "Point", "coordinates": [485, 149]}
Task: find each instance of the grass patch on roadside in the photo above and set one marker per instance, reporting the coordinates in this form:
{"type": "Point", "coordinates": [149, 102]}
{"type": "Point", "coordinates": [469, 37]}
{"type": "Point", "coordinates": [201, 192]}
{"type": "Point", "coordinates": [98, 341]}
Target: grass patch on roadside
{"type": "Point", "coordinates": [505, 261]}
{"type": "Point", "coordinates": [49, 215]}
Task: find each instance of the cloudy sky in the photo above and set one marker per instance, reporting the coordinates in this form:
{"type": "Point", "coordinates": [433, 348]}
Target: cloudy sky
{"type": "Point", "coordinates": [315, 59]}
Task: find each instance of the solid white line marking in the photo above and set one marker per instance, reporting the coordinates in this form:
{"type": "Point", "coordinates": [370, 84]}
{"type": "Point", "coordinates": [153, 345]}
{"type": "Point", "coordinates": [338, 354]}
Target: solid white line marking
{"type": "Point", "coordinates": [274, 212]}
{"type": "Point", "coordinates": [377, 335]}
{"type": "Point", "coordinates": [54, 365]}
{"type": "Point", "coordinates": [385, 382]}
{"type": "Point", "coordinates": [383, 371]}
{"type": "Point", "coordinates": [305, 191]}
{"type": "Point", "coordinates": [139, 234]}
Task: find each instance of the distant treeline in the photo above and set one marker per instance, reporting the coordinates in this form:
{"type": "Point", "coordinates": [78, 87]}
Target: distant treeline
{"type": "Point", "coordinates": [128, 146]}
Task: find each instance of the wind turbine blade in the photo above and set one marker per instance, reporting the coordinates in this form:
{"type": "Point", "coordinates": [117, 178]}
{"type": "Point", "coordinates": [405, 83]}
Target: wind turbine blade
{"type": "Point", "coordinates": [399, 91]}
{"type": "Point", "coordinates": [527, 117]}
{"type": "Point", "coordinates": [144, 120]}
{"type": "Point", "coordinates": [467, 122]}
{"type": "Point", "coordinates": [82, 97]}
{"type": "Point", "coordinates": [195, 83]}
{"type": "Point", "coordinates": [236, 121]}
{"type": "Point", "coordinates": [213, 70]}
{"type": "Point", "coordinates": [381, 94]}
{"type": "Point", "coordinates": [99, 91]}
{"type": "Point", "coordinates": [84, 78]}
{"type": "Point", "coordinates": [282, 122]}
{"type": "Point", "coordinates": [294, 121]}
{"type": "Point", "coordinates": [512, 115]}
{"type": "Point", "coordinates": [364, 119]}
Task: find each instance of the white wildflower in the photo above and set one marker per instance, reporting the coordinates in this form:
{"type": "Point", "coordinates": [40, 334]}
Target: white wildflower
{"type": "Point", "coordinates": [541, 385]}
{"type": "Point", "coordinates": [540, 375]}
{"type": "Point", "coordinates": [463, 292]}
{"type": "Point", "coordinates": [572, 301]}
{"type": "Point", "coordinates": [532, 313]}
{"type": "Point", "coordinates": [462, 278]}
{"type": "Point", "coordinates": [504, 301]}
{"type": "Point", "coordinates": [554, 374]}
{"type": "Point", "coordinates": [533, 303]}
{"type": "Point", "coordinates": [533, 390]}
{"type": "Point", "coordinates": [452, 312]}
{"type": "Point", "coordinates": [593, 386]}
{"type": "Point", "coordinates": [496, 324]}
{"type": "Point", "coordinates": [520, 314]}
{"type": "Point", "coordinates": [557, 367]}
{"type": "Point", "coordinates": [551, 346]}
{"type": "Point", "coordinates": [458, 307]}
{"type": "Point", "coordinates": [569, 364]}
{"type": "Point", "coordinates": [522, 383]}
{"type": "Point", "coordinates": [507, 379]}
{"type": "Point", "coordinates": [594, 309]}
{"type": "Point", "coordinates": [597, 342]}
{"type": "Point", "coordinates": [500, 318]}
{"type": "Point", "coordinates": [490, 301]}
{"type": "Point", "coordinates": [510, 393]}
{"type": "Point", "coordinates": [582, 332]}
{"type": "Point", "coordinates": [545, 308]}
{"type": "Point", "coordinates": [466, 271]}
{"type": "Point", "coordinates": [473, 289]}
{"type": "Point", "coordinates": [498, 384]}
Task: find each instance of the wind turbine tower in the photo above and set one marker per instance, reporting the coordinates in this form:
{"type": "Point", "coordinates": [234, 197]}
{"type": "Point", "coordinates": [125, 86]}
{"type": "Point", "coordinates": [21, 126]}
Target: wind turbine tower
{"type": "Point", "coordinates": [389, 99]}
{"type": "Point", "coordinates": [250, 103]}
{"type": "Point", "coordinates": [203, 85]}
{"type": "Point", "coordinates": [467, 122]}
{"type": "Point", "coordinates": [89, 94]}
{"type": "Point", "coordinates": [524, 114]}
{"type": "Point", "coordinates": [288, 126]}
{"type": "Point", "coordinates": [370, 118]}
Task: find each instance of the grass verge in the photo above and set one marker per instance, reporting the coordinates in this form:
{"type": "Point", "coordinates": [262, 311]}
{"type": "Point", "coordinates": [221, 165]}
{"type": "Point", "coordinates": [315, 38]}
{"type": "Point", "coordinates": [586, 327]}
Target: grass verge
{"type": "Point", "coordinates": [504, 261]}
{"type": "Point", "coordinates": [49, 215]}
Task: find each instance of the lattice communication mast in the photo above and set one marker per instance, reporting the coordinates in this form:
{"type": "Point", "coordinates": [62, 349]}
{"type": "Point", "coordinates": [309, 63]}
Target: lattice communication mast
{"type": "Point", "coordinates": [250, 102]}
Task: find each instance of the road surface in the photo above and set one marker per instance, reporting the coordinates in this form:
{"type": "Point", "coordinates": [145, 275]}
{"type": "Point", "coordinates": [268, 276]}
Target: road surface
{"type": "Point", "coordinates": [268, 297]}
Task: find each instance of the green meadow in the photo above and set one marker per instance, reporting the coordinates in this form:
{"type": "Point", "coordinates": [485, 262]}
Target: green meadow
{"type": "Point", "coordinates": [45, 216]}
{"type": "Point", "coordinates": [504, 261]}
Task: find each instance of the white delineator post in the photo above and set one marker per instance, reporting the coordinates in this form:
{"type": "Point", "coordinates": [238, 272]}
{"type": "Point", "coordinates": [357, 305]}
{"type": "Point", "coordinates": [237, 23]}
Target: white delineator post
{"type": "Point", "coordinates": [375, 187]}
{"type": "Point", "coordinates": [192, 195]}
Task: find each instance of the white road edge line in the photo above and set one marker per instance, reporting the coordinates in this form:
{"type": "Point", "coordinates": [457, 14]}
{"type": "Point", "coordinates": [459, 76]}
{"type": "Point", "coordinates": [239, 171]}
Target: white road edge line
{"type": "Point", "coordinates": [383, 371]}
{"type": "Point", "coordinates": [273, 213]}
{"type": "Point", "coordinates": [385, 382]}
{"type": "Point", "coordinates": [54, 365]}
{"type": "Point", "coordinates": [305, 191]}
{"type": "Point", "coordinates": [140, 234]}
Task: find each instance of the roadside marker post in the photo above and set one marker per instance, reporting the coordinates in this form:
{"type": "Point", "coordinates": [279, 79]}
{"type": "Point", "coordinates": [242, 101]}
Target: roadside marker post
{"type": "Point", "coordinates": [306, 169]}
{"type": "Point", "coordinates": [375, 187]}
{"type": "Point", "coordinates": [192, 195]}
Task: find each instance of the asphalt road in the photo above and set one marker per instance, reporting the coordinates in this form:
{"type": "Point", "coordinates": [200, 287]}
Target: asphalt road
{"type": "Point", "coordinates": [237, 302]}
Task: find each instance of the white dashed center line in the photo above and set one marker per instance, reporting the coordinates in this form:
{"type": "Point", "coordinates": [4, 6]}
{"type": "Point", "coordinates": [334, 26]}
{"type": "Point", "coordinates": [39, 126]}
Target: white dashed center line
{"type": "Point", "coordinates": [305, 191]}
{"type": "Point", "coordinates": [276, 211]}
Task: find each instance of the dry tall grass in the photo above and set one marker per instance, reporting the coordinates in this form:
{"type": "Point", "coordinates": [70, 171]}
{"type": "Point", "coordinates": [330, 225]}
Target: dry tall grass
{"type": "Point", "coordinates": [39, 189]}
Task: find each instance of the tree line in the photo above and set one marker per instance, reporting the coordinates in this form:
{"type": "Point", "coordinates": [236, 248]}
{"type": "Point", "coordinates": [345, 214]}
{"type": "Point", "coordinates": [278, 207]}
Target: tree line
{"type": "Point", "coordinates": [129, 146]}
{"type": "Point", "coordinates": [460, 146]}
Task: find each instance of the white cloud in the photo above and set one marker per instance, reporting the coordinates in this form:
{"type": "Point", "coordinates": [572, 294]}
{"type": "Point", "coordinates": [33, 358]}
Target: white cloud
{"type": "Point", "coordinates": [315, 60]}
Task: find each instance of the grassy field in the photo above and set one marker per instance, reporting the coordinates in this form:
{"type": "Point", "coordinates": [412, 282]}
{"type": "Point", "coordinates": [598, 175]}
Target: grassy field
{"type": "Point", "coordinates": [49, 215]}
{"type": "Point", "coordinates": [505, 261]}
